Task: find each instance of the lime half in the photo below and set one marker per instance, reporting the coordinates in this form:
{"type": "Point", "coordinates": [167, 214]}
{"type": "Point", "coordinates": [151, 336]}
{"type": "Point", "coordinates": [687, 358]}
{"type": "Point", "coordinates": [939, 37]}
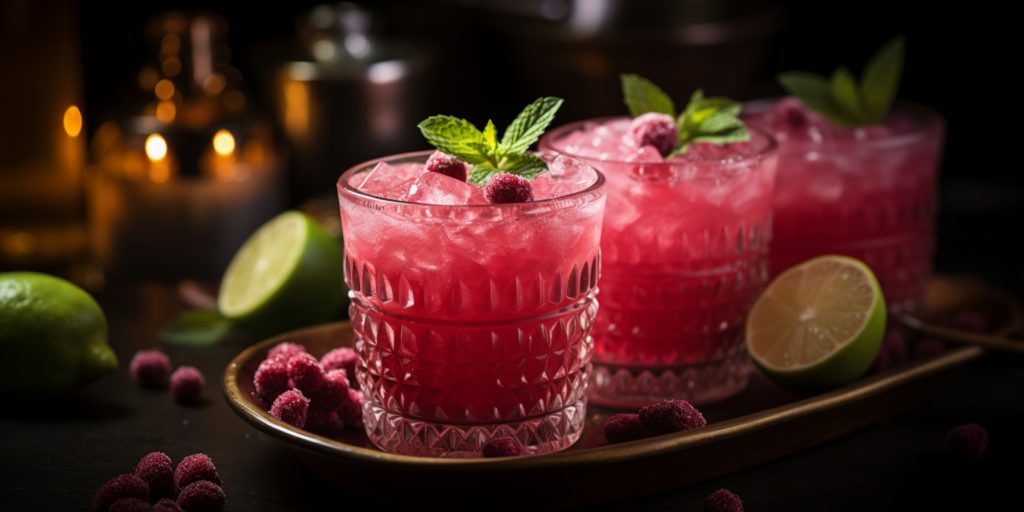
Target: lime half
{"type": "Point", "coordinates": [286, 275]}
{"type": "Point", "coordinates": [819, 324]}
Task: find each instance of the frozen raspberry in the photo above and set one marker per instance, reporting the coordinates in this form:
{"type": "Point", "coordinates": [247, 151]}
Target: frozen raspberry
{"type": "Point", "coordinates": [187, 384]}
{"type": "Point", "coordinates": [202, 496]}
{"type": "Point", "coordinates": [150, 368]}
{"type": "Point", "coordinates": [157, 471]}
{"type": "Point", "coordinates": [447, 165]}
{"type": "Point", "coordinates": [121, 486]}
{"type": "Point", "coordinates": [291, 407]}
{"type": "Point", "coordinates": [723, 500]}
{"type": "Point", "coordinates": [166, 505]}
{"type": "Point", "coordinates": [623, 427]}
{"type": "Point", "coordinates": [502, 447]}
{"type": "Point", "coordinates": [342, 358]}
{"type": "Point", "coordinates": [967, 441]}
{"type": "Point", "coordinates": [670, 416]}
{"type": "Point", "coordinates": [334, 392]}
{"type": "Point", "coordinates": [508, 188]}
{"type": "Point", "coordinates": [285, 351]}
{"type": "Point", "coordinates": [306, 373]}
{"type": "Point", "coordinates": [791, 113]}
{"type": "Point", "coordinates": [130, 505]}
{"type": "Point", "coordinates": [271, 379]}
{"type": "Point", "coordinates": [324, 422]}
{"type": "Point", "coordinates": [351, 412]}
{"type": "Point", "coordinates": [194, 468]}
{"type": "Point", "coordinates": [653, 129]}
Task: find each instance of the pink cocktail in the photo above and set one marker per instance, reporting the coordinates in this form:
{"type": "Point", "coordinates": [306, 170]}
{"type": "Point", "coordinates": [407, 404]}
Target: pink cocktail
{"type": "Point", "coordinates": [685, 253]}
{"type": "Point", "coordinates": [472, 320]}
{"type": "Point", "coordinates": [866, 192]}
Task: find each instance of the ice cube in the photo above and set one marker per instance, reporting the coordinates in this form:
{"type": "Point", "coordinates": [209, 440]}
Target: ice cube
{"type": "Point", "coordinates": [564, 176]}
{"type": "Point", "coordinates": [436, 188]}
{"type": "Point", "coordinates": [389, 181]}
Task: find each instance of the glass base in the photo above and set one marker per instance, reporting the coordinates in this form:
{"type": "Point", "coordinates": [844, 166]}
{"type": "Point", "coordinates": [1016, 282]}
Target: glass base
{"type": "Point", "coordinates": [628, 387]}
{"type": "Point", "coordinates": [409, 436]}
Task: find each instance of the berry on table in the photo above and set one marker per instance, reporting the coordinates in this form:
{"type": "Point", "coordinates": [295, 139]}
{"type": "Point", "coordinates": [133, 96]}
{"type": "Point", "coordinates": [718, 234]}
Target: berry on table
{"type": "Point", "coordinates": [194, 468]}
{"type": "Point", "coordinates": [967, 441]}
{"type": "Point", "coordinates": [187, 384]}
{"type": "Point", "coordinates": [202, 496]}
{"type": "Point", "coordinates": [121, 486]}
{"type": "Point", "coordinates": [150, 368]}
{"type": "Point", "coordinates": [157, 471]}
{"type": "Point", "coordinates": [723, 500]}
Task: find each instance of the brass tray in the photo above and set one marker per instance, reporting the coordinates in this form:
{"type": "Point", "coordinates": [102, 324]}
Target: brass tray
{"type": "Point", "coordinates": [760, 424]}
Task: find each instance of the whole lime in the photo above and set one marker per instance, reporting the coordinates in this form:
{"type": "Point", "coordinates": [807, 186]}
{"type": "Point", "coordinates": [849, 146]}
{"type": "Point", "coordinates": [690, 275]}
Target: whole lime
{"type": "Point", "coordinates": [53, 335]}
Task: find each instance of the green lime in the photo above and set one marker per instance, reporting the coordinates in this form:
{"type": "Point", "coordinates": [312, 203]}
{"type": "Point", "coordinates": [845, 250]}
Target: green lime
{"type": "Point", "coordinates": [819, 324]}
{"type": "Point", "coordinates": [286, 275]}
{"type": "Point", "coordinates": [53, 335]}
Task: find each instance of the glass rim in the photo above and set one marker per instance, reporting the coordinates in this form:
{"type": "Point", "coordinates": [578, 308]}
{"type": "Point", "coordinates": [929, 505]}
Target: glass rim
{"type": "Point", "coordinates": [928, 120]}
{"type": "Point", "coordinates": [547, 142]}
{"type": "Point", "coordinates": [344, 187]}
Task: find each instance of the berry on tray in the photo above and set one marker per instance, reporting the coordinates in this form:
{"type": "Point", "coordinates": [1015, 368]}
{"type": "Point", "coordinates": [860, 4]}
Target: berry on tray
{"type": "Point", "coordinates": [670, 416]}
{"type": "Point", "coordinates": [291, 407]}
{"type": "Point", "coordinates": [621, 428]}
{"type": "Point", "coordinates": [503, 447]}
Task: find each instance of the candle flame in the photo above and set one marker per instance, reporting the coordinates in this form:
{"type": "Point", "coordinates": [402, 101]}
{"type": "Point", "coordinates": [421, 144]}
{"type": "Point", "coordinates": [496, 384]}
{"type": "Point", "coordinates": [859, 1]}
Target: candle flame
{"type": "Point", "coordinates": [156, 147]}
{"type": "Point", "coordinates": [73, 121]}
{"type": "Point", "coordinates": [223, 143]}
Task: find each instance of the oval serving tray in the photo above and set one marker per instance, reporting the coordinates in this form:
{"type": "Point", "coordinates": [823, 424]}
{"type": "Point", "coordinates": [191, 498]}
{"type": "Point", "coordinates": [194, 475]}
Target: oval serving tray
{"type": "Point", "coordinates": [762, 423]}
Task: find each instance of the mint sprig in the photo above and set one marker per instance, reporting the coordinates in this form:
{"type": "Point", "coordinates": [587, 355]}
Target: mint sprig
{"type": "Point", "coordinates": [713, 120]}
{"type": "Point", "coordinates": [461, 139]}
{"type": "Point", "coordinates": [840, 99]}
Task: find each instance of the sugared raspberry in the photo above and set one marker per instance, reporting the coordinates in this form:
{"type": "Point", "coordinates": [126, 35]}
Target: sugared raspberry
{"type": "Point", "coordinates": [508, 188]}
{"type": "Point", "coordinates": [187, 384]}
{"type": "Point", "coordinates": [967, 441]}
{"type": "Point", "coordinates": [351, 412]}
{"type": "Point", "coordinates": [291, 407]}
{"type": "Point", "coordinates": [306, 373]}
{"type": "Point", "coordinates": [723, 500]}
{"type": "Point", "coordinates": [150, 368]}
{"type": "Point", "coordinates": [166, 505]}
{"type": "Point", "coordinates": [503, 447]}
{"type": "Point", "coordinates": [670, 416]}
{"type": "Point", "coordinates": [324, 422]}
{"type": "Point", "coordinates": [121, 486]}
{"type": "Point", "coordinates": [271, 379]}
{"type": "Point", "coordinates": [202, 496]}
{"type": "Point", "coordinates": [333, 393]}
{"type": "Point", "coordinates": [285, 351]}
{"type": "Point", "coordinates": [130, 505]}
{"type": "Point", "coordinates": [623, 427]}
{"type": "Point", "coordinates": [194, 468]}
{"type": "Point", "coordinates": [157, 471]}
{"type": "Point", "coordinates": [653, 129]}
{"type": "Point", "coordinates": [447, 165]}
{"type": "Point", "coordinates": [343, 358]}
{"type": "Point", "coordinates": [791, 113]}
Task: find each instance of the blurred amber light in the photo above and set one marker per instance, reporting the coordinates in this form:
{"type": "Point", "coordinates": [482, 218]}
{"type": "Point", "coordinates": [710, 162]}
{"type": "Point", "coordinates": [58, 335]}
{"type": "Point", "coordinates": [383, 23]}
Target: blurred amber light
{"type": "Point", "coordinates": [164, 89]}
{"type": "Point", "coordinates": [223, 142]}
{"type": "Point", "coordinates": [73, 121]}
{"type": "Point", "coordinates": [156, 147]}
{"type": "Point", "coordinates": [165, 111]}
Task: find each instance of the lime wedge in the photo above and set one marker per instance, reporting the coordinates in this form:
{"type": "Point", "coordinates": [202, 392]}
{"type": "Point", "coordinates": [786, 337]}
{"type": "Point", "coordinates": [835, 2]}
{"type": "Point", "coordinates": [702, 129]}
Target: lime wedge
{"type": "Point", "coordinates": [819, 324]}
{"type": "Point", "coordinates": [286, 275]}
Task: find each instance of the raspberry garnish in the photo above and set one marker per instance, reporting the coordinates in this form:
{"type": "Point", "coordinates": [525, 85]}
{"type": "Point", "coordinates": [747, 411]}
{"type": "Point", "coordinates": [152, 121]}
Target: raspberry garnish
{"type": "Point", "coordinates": [623, 427]}
{"type": "Point", "coordinates": [653, 129]}
{"type": "Point", "coordinates": [202, 496]}
{"type": "Point", "coordinates": [508, 188]}
{"type": "Point", "coordinates": [670, 416]}
{"type": "Point", "coordinates": [291, 407]}
{"type": "Point", "coordinates": [130, 505]}
{"type": "Point", "coordinates": [187, 384]}
{"type": "Point", "coordinates": [306, 373]}
{"type": "Point", "coordinates": [967, 441]}
{"type": "Point", "coordinates": [271, 379]}
{"type": "Point", "coordinates": [166, 505]}
{"type": "Point", "coordinates": [156, 470]}
{"type": "Point", "coordinates": [194, 468]}
{"type": "Point", "coordinates": [447, 165]}
{"type": "Point", "coordinates": [351, 412]}
{"type": "Point", "coordinates": [121, 486]}
{"type": "Point", "coordinates": [503, 447]}
{"type": "Point", "coordinates": [285, 351]}
{"type": "Point", "coordinates": [343, 358]}
{"type": "Point", "coordinates": [723, 500]}
{"type": "Point", "coordinates": [333, 393]}
{"type": "Point", "coordinates": [150, 368]}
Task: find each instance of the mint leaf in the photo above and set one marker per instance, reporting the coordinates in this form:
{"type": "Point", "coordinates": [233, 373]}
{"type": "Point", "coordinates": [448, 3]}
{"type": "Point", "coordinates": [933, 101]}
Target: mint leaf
{"type": "Point", "coordinates": [882, 79]}
{"type": "Point", "coordinates": [815, 92]}
{"type": "Point", "coordinates": [643, 96]}
{"type": "Point", "coordinates": [529, 125]}
{"type": "Point", "coordinates": [526, 165]}
{"type": "Point", "coordinates": [844, 91]}
{"type": "Point", "coordinates": [456, 137]}
{"type": "Point", "coordinates": [197, 327]}
{"type": "Point", "coordinates": [481, 173]}
{"type": "Point", "coordinates": [712, 120]}
{"type": "Point", "coordinates": [491, 136]}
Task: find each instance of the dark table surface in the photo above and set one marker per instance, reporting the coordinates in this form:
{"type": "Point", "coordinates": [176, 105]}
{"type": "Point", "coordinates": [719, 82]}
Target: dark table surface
{"type": "Point", "coordinates": [55, 455]}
